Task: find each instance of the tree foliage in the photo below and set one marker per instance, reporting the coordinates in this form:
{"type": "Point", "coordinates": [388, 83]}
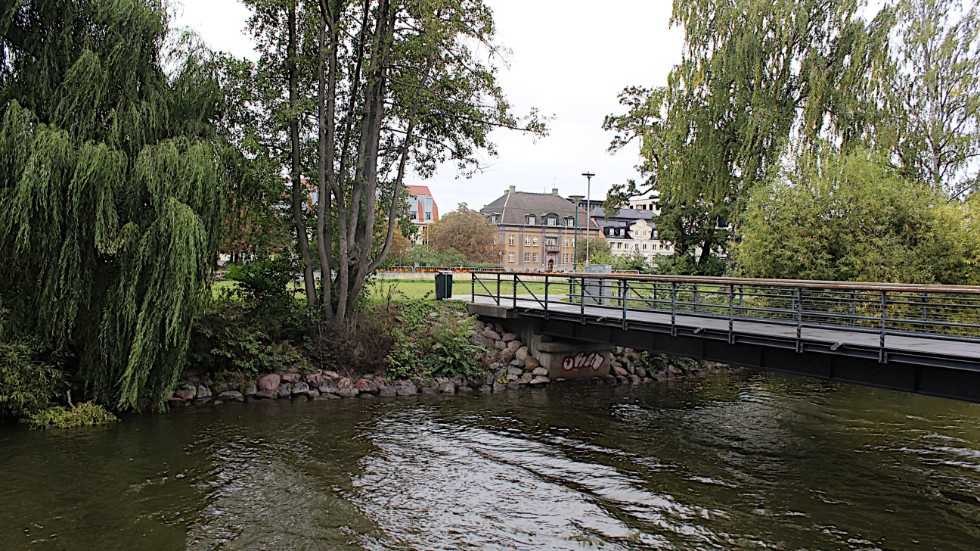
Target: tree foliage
{"type": "Point", "coordinates": [397, 84]}
{"type": "Point", "coordinates": [755, 75]}
{"type": "Point", "coordinates": [853, 217]}
{"type": "Point", "coordinates": [935, 94]}
{"type": "Point", "coordinates": [113, 185]}
{"type": "Point", "coordinates": [468, 232]}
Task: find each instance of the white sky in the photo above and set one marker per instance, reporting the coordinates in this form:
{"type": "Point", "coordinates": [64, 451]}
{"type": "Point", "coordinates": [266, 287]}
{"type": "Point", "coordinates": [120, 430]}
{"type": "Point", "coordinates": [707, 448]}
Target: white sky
{"type": "Point", "coordinates": [569, 58]}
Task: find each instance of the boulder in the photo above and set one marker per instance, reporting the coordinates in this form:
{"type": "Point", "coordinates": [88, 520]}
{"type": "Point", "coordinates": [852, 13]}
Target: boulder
{"type": "Point", "coordinates": [447, 388]}
{"type": "Point", "coordinates": [203, 393]}
{"type": "Point", "coordinates": [347, 392]}
{"type": "Point", "coordinates": [366, 386]}
{"type": "Point", "coordinates": [620, 372]}
{"type": "Point", "coordinates": [184, 394]}
{"type": "Point", "coordinates": [531, 363]}
{"type": "Point", "coordinates": [641, 373]}
{"type": "Point", "coordinates": [269, 381]}
{"type": "Point", "coordinates": [538, 381]}
{"type": "Point", "coordinates": [285, 390]}
{"type": "Point", "coordinates": [634, 380]}
{"type": "Point", "coordinates": [300, 389]}
{"type": "Point", "coordinates": [540, 372]}
{"type": "Point", "coordinates": [388, 391]}
{"type": "Point", "coordinates": [406, 388]}
{"type": "Point", "coordinates": [491, 334]}
{"type": "Point", "coordinates": [514, 346]}
{"type": "Point", "coordinates": [231, 396]}
{"type": "Point", "coordinates": [251, 390]}
{"type": "Point", "coordinates": [525, 378]}
{"type": "Point", "coordinates": [176, 402]}
{"type": "Point", "coordinates": [522, 354]}
{"type": "Point", "coordinates": [508, 337]}
{"type": "Point", "coordinates": [266, 395]}
{"type": "Point", "coordinates": [314, 379]}
{"type": "Point", "coordinates": [485, 389]}
{"type": "Point", "coordinates": [499, 387]}
{"type": "Point", "coordinates": [505, 356]}
{"type": "Point", "coordinates": [291, 377]}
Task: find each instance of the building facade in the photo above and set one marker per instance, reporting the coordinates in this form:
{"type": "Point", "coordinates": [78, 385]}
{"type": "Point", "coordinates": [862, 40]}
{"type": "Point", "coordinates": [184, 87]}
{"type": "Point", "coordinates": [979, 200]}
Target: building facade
{"type": "Point", "coordinates": [423, 212]}
{"type": "Point", "coordinates": [538, 231]}
{"type": "Point", "coordinates": [632, 231]}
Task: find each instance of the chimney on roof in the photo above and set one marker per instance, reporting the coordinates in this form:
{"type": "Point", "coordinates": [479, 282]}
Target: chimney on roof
{"type": "Point", "coordinates": [554, 191]}
{"type": "Point", "coordinates": [512, 189]}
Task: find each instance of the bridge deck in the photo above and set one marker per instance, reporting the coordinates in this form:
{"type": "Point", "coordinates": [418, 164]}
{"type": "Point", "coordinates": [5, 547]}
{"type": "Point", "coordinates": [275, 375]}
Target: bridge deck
{"type": "Point", "coordinates": [924, 345]}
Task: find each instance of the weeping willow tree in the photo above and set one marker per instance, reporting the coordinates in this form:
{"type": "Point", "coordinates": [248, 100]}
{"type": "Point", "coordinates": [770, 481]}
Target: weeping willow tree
{"type": "Point", "coordinates": [756, 75]}
{"type": "Point", "coordinates": [113, 179]}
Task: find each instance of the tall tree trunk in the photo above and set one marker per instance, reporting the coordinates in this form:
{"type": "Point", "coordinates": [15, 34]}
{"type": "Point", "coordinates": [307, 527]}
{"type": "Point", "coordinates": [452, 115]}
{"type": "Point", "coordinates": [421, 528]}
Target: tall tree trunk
{"type": "Point", "coordinates": [299, 223]}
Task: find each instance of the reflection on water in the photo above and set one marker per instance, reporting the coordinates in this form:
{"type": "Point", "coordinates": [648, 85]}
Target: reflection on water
{"type": "Point", "coordinates": [736, 461]}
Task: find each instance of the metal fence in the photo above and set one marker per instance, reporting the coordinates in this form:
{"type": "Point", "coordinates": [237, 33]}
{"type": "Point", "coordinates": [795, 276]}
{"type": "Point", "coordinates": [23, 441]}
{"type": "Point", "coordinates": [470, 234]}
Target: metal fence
{"type": "Point", "coordinates": [936, 311]}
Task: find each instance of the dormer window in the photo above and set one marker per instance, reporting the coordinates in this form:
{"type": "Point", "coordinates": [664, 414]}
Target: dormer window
{"type": "Point", "coordinates": [569, 222]}
{"type": "Point", "coordinates": [551, 220]}
{"type": "Point", "coordinates": [532, 219]}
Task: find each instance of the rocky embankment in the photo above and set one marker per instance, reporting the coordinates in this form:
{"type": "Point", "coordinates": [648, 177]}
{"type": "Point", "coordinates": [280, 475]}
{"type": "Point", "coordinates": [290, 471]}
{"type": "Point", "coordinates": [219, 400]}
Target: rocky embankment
{"type": "Point", "coordinates": [508, 365]}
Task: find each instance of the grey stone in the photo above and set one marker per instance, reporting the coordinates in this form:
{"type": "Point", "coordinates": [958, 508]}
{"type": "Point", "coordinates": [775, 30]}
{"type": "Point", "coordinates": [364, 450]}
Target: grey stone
{"type": "Point", "coordinates": [640, 372]}
{"type": "Point", "coordinates": [231, 396]}
{"type": "Point", "coordinates": [508, 337]}
{"type": "Point", "coordinates": [291, 377]}
{"type": "Point", "coordinates": [312, 394]}
{"type": "Point", "coordinates": [331, 374]}
{"type": "Point", "coordinates": [622, 380]}
{"type": "Point", "coordinates": [429, 390]}
{"type": "Point", "coordinates": [499, 387]}
{"type": "Point", "coordinates": [505, 356]}
{"type": "Point", "coordinates": [406, 388]}
{"type": "Point", "coordinates": [485, 389]}
{"type": "Point", "coordinates": [203, 392]}
{"type": "Point", "coordinates": [491, 334]}
{"type": "Point", "coordinates": [531, 363]}
{"type": "Point", "coordinates": [347, 392]}
{"type": "Point", "coordinates": [266, 395]}
{"type": "Point", "coordinates": [314, 379]}
{"type": "Point", "coordinates": [184, 394]}
{"type": "Point", "coordinates": [327, 386]}
{"type": "Point", "coordinates": [514, 346]}
{"type": "Point", "coordinates": [521, 354]}
{"type": "Point", "coordinates": [388, 391]}
{"type": "Point", "coordinates": [537, 381]}
{"type": "Point", "coordinates": [525, 378]}
{"type": "Point", "coordinates": [366, 386]}
{"type": "Point", "coordinates": [540, 372]}
{"type": "Point", "coordinates": [500, 345]}
{"type": "Point", "coordinates": [447, 388]}
{"type": "Point", "coordinates": [300, 388]}
{"type": "Point", "coordinates": [251, 389]}
{"type": "Point", "coordinates": [634, 380]}
{"type": "Point", "coordinates": [516, 371]}
{"type": "Point", "coordinates": [620, 372]}
{"type": "Point", "coordinates": [176, 403]}
{"type": "Point", "coordinates": [269, 381]}
{"type": "Point", "coordinates": [285, 390]}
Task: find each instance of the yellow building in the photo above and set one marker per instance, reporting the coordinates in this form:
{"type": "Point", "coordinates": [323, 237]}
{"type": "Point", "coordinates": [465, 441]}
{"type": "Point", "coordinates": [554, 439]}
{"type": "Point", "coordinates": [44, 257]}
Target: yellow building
{"type": "Point", "coordinates": [537, 231]}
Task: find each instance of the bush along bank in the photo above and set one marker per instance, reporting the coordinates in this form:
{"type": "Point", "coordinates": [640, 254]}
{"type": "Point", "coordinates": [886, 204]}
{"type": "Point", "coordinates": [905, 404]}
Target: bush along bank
{"type": "Point", "coordinates": [437, 350]}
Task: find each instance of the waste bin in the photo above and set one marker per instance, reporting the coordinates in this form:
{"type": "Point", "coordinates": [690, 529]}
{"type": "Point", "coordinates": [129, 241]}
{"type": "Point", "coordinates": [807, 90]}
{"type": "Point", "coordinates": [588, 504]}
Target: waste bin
{"type": "Point", "coordinates": [444, 285]}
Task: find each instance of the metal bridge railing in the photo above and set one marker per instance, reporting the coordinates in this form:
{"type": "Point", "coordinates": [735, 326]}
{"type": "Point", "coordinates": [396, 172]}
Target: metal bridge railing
{"type": "Point", "coordinates": [936, 311]}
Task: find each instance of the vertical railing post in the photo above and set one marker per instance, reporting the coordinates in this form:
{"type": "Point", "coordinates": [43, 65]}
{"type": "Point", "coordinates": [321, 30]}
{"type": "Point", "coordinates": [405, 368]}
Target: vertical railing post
{"type": "Point", "coordinates": [545, 292]}
{"type": "Point", "coordinates": [673, 308]}
{"type": "Point", "coordinates": [925, 311]}
{"type": "Point", "coordinates": [853, 307]}
{"type": "Point", "coordinates": [731, 314]}
{"type": "Point", "coordinates": [884, 322]}
{"type": "Point", "coordinates": [472, 287]}
{"type": "Point", "coordinates": [799, 319]}
{"type": "Point", "coordinates": [624, 290]}
{"type": "Point", "coordinates": [741, 301]}
{"type": "Point", "coordinates": [498, 297]}
{"type": "Point", "coordinates": [581, 289]}
{"type": "Point", "coordinates": [516, 278]}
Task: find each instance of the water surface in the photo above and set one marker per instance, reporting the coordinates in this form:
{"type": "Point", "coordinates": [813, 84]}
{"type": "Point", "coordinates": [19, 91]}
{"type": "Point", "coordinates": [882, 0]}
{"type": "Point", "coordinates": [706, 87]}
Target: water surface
{"type": "Point", "coordinates": [746, 460]}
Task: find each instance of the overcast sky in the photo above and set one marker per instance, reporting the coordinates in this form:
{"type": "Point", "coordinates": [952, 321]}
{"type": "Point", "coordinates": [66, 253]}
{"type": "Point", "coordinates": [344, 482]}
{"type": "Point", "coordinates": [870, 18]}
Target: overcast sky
{"type": "Point", "coordinates": [569, 59]}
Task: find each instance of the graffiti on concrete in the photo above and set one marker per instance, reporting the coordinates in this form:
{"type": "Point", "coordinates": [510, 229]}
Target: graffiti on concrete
{"type": "Point", "coordinates": [584, 360]}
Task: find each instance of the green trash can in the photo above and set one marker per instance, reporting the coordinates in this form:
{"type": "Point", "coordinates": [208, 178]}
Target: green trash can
{"type": "Point", "coordinates": [444, 285]}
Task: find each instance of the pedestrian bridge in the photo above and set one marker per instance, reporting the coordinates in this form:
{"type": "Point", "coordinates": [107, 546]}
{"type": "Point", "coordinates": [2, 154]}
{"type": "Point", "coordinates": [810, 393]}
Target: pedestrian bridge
{"type": "Point", "coordinates": [916, 338]}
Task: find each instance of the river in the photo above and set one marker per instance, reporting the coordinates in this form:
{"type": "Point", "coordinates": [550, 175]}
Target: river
{"type": "Point", "coordinates": [735, 461]}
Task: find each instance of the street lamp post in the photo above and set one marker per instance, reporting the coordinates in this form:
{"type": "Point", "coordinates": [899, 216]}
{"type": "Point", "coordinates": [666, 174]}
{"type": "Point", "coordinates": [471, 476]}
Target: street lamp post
{"type": "Point", "coordinates": [588, 213]}
{"type": "Point", "coordinates": [576, 199]}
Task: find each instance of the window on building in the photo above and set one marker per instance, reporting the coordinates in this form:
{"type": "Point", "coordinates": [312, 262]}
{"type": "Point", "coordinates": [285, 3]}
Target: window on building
{"type": "Point", "coordinates": [510, 240]}
{"type": "Point", "coordinates": [534, 258]}
{"type": "Point", "coordinates": [565, 242]}
{"type": "Point", "coordinates": [644, 246]}
{"type": "Point", "coordinates": [428, 217]}
{"type": "Point", "coordinates": [570, 222]}
{"type": "Point", "coordinates": [510, 258]}
{"type": "Point", "coordinates": [551, 241]}
{"type": "Point", "coordinates": [565, 258]}
{"type": "Point", "coordinates": [534, 241]}
{"type": "Point", "coordinates": [527, 240]}
{"type": "Point", "coordinates": [531, 219]}
{"type": "Point", "coordinates": [527, 257]}
{"type": "Point", "coordinates": [551, 221]}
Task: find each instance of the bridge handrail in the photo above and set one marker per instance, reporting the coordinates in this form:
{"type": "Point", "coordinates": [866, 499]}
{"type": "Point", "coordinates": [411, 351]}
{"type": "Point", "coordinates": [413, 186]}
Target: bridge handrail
{"type": "Point", "coordinates": [789, 283]}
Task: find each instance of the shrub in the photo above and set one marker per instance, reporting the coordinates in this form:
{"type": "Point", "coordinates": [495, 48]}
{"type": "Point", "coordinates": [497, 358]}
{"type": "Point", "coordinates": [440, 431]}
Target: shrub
{"type": "Point", "coordinates": [84, 414]}
{"type": "Point", "coordinates": [27, 385]}
{"type": "Point", "coordinates": [433, 340]}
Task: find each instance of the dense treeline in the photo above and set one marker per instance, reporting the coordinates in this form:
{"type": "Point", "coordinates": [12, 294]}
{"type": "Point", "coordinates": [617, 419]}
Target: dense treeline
{"type": "Point", "coordinates": [820, 134]}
